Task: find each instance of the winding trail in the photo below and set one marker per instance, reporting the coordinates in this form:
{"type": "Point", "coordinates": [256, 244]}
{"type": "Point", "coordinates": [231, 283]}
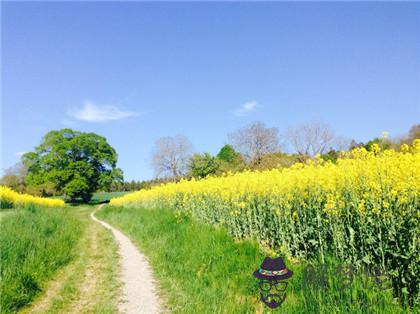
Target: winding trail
{"type": "Point", "coordinates": [139, 288]}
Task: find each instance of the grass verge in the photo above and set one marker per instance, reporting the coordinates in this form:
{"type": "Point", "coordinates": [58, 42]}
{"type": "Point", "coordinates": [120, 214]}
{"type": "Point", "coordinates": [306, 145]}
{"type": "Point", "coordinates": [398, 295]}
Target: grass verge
{"type": "Point", "coordinates": [35, 242]}
{"type": "Point", "coordinates": [201, 269]}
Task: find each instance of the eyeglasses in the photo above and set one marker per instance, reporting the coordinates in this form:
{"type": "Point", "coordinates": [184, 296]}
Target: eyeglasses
{"type": "Point", "coordinates": [279, 286]}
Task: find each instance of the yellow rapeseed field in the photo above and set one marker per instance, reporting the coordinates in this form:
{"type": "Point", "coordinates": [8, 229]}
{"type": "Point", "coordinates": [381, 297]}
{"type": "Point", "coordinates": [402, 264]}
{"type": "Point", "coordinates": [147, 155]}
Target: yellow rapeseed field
{"type": "Point", "coordinates": [363, 209]}
{"type": "Point", "coordinates": [378, 182]}
{"type": "Point", "coordinates": [10, 199]}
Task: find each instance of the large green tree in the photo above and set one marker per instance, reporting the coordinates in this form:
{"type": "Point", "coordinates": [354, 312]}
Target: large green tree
{"type": "Point", "coordinates": [76, 163]}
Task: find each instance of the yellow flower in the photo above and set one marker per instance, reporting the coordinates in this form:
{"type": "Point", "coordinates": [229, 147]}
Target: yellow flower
{"type": "Point", "coordinates": [405, 148]}
{"type": "Point", "coordinates": [375, 148]}
{"type": "Point", "coordinates": [10, 198]}
{"type": "Point", "coordinates": [361, 207]}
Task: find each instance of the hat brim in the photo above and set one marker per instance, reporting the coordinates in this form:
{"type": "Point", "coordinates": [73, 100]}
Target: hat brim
{"type": "Point", "coordinates": [287, 275]}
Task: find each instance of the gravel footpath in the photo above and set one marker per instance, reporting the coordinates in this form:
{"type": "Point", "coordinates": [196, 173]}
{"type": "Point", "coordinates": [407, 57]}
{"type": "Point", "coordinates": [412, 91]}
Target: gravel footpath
{"type": "Point", "coordinates": [139, 288]}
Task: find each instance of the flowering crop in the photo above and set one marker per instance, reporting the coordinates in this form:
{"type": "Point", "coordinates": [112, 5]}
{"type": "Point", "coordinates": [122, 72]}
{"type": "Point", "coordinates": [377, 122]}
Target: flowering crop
{"type": "Point", "coordinates": [364, 209]}
{"type": "Point", "coordinates": [10, 199]}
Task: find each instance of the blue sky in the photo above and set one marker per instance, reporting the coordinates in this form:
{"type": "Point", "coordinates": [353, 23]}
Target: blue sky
{"type": "Point", "coordinates": [134, 72]}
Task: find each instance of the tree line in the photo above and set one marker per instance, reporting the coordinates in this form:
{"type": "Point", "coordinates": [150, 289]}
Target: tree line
{"type": "Point", "coordinates": [76, 164]}
{"type": "Point", "coordinates": [258, 147]}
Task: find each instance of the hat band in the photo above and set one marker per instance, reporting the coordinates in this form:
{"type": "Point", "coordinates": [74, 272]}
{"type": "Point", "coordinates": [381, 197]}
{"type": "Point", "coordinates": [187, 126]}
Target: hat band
{"type": "Point", "coordinates": [266, 272]}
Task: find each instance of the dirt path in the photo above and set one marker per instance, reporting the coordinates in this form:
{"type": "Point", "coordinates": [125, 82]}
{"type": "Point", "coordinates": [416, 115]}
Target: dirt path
{"type": "Point", "coordinates": [139, 289]}
{"type": "Point", "coordinates": [89, 283]}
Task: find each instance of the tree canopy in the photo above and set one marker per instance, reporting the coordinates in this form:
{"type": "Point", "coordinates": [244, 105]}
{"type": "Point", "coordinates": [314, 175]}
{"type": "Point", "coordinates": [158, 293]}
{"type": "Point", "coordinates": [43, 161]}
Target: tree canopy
{"type": "Point", "coordinates": [75, 163]}
{"type": "Point", "coordinates": [202, 165]}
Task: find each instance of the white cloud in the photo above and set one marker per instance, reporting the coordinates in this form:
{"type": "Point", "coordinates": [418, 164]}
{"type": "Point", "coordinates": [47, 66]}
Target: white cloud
{"type": "Point", "coordinates": [20, 154]}
{"type": "Point", "coordinates": [245, 109]}
{"type": "Point", "coordinates": [105, 113]}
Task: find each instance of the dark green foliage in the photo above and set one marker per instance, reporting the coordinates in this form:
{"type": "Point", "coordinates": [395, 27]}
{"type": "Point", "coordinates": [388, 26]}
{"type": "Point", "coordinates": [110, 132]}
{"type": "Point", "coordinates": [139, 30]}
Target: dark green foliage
{"type": "Point", "coordinates": [35, 242]}
{"type": "Point", "coordinates": [383, 143]}
{"type": "Point", "coordinates": [230, 160]}
{"type": "Point", "coordinates": [202, 165]}
{"type": "Point", "coordinates": [229, 154]}
{"type": "Point", "coordinates": [331, 155]}
{"type": "Point", "coordinates": [75, 163]}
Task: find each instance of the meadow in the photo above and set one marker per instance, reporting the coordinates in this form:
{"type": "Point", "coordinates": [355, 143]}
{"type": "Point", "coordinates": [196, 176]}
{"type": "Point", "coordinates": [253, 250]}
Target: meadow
{"type": "Point", "coordinates": [362, 210]}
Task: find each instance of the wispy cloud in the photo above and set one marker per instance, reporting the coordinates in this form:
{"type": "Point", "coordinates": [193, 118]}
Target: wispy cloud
{"type": "Point", "coordinates": [20, 154]}
{"type": "Point", "coordinates": [91, 112]}
{"type": "Point", "coordinates": [245, 109]}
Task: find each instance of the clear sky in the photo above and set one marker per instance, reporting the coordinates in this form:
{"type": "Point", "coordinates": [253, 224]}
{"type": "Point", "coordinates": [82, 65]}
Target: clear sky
{"type": "Point", "coordinates": [134, 72]}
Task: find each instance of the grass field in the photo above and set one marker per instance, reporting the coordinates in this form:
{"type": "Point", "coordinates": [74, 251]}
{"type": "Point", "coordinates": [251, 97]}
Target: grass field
{"type": "Point", "coordinates": [201, 269]}
{"type": "Point", "coordinates": [35, 242]}
{"type": "Point", "coordinates": [100, 197]}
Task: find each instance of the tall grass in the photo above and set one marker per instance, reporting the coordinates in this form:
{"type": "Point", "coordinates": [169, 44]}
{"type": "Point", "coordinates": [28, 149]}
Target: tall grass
{"type": "Point", "coordinates": [35, 242]}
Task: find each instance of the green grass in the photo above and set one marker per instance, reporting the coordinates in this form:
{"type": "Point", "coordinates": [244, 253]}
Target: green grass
{"type": "Point", "coordinates": [100, 197]}
{"type": "Point", "coordinates": [89, 283]}
{"type": "Point", "coordinates": [35, 242]}
{"type": "Point", "coordinates": [201, 269]}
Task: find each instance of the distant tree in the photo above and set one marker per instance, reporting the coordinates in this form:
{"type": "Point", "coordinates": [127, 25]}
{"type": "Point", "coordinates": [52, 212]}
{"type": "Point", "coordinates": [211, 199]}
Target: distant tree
{"type": "Point", "coordinates": [254, 141]}
{"type": "Point", "coordinates": [383, 142]}
{"type": "Point", "coordinates": [311, 138]}
{"type": "Point", "coordinates": [229, 154]}
{"type": "Point", "coordinates": [413, 133]}
{"type": "Point", "coordinates": [74, 163]}
{"type": "Point", "coordinates": [331, 155]}
{"type": "Point", "coordinates": [171, 155]}
{"type": "Point", "coordinates": [202, 165]}
{"type": "Point", "coordinates": [340, 143]}
{"type": "Point", "coordinates": [14, 177]}
{"type": "Point", "coordinates": [354, 144]}
{"type": "Point", "coordinates": [133, 185]}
